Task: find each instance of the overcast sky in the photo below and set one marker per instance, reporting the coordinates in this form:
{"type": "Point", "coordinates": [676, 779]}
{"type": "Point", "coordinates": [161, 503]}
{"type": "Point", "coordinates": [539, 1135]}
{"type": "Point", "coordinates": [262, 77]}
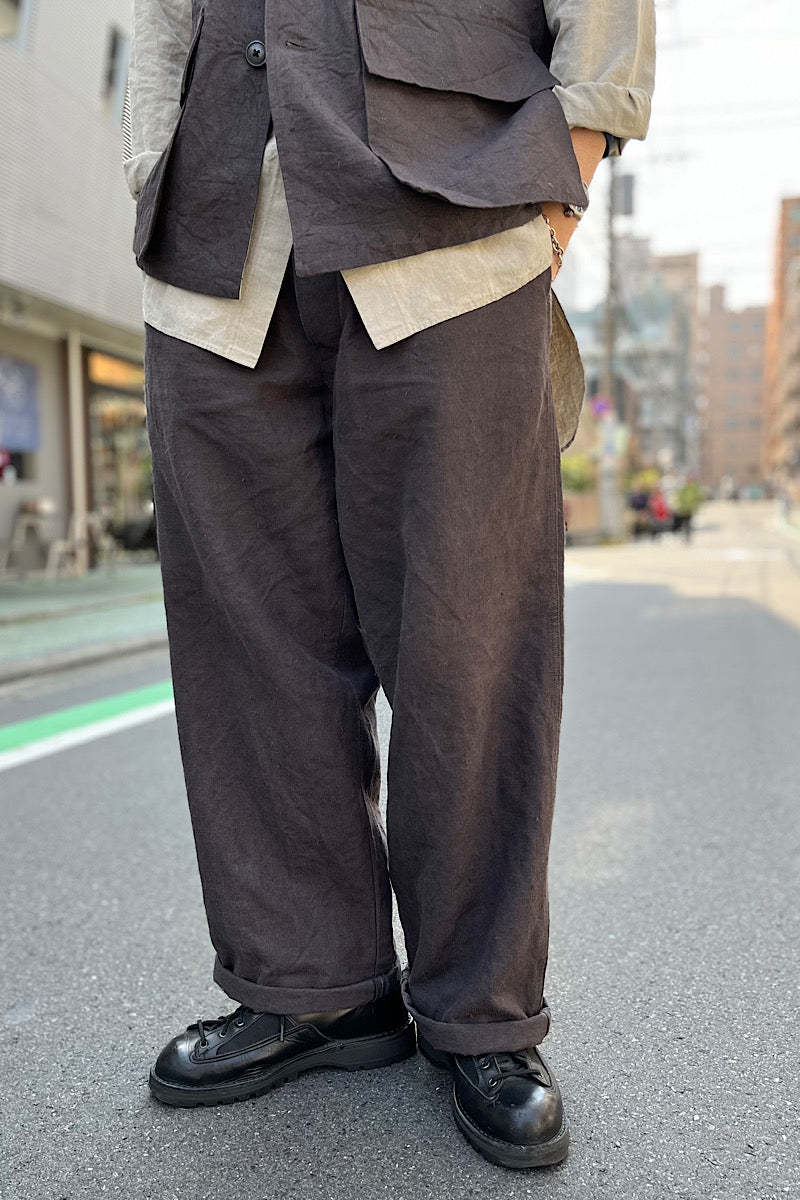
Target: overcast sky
{"type": "Point", "coordinates": [724, 145]}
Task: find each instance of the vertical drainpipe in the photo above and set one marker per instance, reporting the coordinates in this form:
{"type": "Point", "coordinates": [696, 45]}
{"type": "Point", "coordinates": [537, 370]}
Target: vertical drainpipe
{"type": "Point", "coordinates": [79, 474]}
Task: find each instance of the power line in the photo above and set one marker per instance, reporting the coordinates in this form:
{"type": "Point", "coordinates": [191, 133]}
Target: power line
{"type": "Point", "coordinates": [701, 109]}
{"type": "Point", "coordinates": [695, 40]}
{"type": "Point", "coordinates": [745, 8]}
{"type": "Point", "coordinates": [719, 127]}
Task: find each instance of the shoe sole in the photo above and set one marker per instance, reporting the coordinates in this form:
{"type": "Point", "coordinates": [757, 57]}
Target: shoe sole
{"type": "Point", "coordinates": [502, 1154]}
{"type": "Point", "coordinates": [355, 1054]}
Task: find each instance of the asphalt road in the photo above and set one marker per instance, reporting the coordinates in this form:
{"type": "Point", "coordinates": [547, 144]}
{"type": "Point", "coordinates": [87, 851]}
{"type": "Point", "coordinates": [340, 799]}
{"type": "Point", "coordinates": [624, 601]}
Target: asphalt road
{"type": "Point", "coordinates": [675, 936]}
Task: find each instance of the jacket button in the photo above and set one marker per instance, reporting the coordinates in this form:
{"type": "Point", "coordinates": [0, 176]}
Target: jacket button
{"type": "Point", "coordinates": [256, 54]}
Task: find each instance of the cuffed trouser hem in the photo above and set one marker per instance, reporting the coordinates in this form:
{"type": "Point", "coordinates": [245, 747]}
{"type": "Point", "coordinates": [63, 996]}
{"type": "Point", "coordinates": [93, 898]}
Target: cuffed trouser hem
{"type": "Point", "coordinates": [488, 1037]}
{"type": "Point", "coordinates": [304, 1000]}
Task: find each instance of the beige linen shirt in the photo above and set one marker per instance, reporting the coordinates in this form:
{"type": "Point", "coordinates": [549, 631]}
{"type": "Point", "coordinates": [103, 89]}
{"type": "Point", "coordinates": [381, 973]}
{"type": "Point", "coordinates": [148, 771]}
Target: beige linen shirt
{"type": "Point", "coordinates": [604, 55]}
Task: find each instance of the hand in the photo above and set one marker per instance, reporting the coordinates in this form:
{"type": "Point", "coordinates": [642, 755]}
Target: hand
{"type": "Point", "coordinates": [589, 146]}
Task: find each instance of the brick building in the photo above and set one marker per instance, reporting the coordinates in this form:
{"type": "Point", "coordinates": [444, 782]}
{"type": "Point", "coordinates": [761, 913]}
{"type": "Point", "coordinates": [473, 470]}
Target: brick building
{"type": "Point", "coordinates": [731, 384]}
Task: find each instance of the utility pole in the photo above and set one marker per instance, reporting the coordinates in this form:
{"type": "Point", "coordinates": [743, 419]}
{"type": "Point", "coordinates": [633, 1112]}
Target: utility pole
{"type": "Point", "coordinates": [611, 522]}
{"type": "Point", "coordinates": [610, 314]}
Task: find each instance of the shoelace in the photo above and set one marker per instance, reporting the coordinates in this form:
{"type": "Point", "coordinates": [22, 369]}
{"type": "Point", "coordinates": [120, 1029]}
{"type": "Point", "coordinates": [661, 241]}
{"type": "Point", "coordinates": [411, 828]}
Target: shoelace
{"type": "Point", "coordinates": [511, 1066]}
{"type": "Point", "coordinates": [222, 1025]}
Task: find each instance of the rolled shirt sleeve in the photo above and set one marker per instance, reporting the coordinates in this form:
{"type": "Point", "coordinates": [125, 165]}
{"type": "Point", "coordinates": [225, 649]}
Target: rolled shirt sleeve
{"type": "Point", "coordinates": [161, 34]}
{"type": "Point", "coordinates": [604, 59]}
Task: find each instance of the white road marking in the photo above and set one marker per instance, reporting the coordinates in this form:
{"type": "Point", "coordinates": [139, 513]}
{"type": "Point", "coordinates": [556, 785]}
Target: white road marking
{"type": "Point", "coordinates": [85, 733]}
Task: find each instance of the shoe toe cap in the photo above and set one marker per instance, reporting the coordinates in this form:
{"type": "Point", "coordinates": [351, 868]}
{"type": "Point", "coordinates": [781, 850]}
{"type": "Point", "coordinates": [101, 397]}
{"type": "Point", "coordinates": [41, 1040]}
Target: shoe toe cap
{"type": "Point", "coordinates": [520, 1114]}
{"type": "Point", "coordinates": [175, 1063]}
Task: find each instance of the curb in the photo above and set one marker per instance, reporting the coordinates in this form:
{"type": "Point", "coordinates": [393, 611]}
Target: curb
{"type": "Point", "coordinates": [48, 664]}
{"type": "Point", "coordinates": [75, 610]}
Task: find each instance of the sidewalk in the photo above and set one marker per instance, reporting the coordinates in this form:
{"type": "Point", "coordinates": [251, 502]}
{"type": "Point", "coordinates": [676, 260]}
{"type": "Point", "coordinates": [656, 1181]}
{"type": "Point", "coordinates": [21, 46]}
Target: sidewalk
{"type": "Point", "coordinates": [790, 527]}
{"type": "Point", "coordinates": [741, 551]}
{"type": "Point", "coordinates": [51, 625]}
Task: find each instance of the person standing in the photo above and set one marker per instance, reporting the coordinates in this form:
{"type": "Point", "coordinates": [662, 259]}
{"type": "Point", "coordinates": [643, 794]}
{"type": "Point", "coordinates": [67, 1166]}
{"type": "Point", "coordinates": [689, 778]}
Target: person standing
{"type": "Point", "coordinates": [688, 499]}
{"type": "Point", "coordinates": [660, 515]}
{"type": "Point", "coordinates": [358, 382]}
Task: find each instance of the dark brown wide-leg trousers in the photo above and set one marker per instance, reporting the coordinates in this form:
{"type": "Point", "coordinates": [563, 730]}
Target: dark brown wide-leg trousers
{"type": "Point", "coordinates": [336, 519]}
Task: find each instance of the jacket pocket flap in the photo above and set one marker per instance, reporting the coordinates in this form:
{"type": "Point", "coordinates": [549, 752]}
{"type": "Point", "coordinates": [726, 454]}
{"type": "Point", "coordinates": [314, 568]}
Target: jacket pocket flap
{"type": "Point", "coordinates": [461, 50]}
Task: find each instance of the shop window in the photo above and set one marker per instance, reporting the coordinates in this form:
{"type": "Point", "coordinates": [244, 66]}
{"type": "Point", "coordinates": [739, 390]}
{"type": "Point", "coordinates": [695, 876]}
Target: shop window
{"type": "Point", "coordinates": [20, 433]}
{"type": "Point", "coordinates": [12, 19]}
{"type": "Point", "coordinates": [121, 475]}
{"type": "Point", "coordinates": [116, 75]}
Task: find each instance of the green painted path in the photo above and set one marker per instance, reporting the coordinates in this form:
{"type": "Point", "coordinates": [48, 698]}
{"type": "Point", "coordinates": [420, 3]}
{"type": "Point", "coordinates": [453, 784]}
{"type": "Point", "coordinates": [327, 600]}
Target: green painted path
{"type": "Point", "coordinates": [64, 720]}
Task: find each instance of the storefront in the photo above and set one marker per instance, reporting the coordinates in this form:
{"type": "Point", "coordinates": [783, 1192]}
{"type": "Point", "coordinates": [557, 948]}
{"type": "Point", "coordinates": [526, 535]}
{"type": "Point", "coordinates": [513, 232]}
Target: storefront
{"type": "Point", "coordinates": [34, 495]}
{"type": "Point", "coordinates": [74, 451]}
{"type": "Point", "coordinates": [20, 435]}
{"type": "Point", "coordinates": [120, 475]}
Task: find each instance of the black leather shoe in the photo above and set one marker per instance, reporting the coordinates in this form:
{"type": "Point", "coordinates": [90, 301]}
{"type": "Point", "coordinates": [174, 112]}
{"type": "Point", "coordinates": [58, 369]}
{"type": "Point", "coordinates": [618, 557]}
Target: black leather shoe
{"type": "Point", "coordinates": [508, 1106]}
{"type": "Point", "coordinates": [247, 1053]}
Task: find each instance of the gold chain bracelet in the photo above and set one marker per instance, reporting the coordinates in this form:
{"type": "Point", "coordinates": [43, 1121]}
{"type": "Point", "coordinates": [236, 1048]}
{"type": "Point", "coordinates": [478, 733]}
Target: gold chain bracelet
{"type": "Point", "coordinates": [558, 249]}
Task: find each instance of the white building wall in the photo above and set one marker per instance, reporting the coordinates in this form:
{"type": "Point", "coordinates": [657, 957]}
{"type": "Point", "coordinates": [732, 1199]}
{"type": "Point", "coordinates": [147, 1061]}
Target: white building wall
{"type": "Point", "coordinates": [66, 216]}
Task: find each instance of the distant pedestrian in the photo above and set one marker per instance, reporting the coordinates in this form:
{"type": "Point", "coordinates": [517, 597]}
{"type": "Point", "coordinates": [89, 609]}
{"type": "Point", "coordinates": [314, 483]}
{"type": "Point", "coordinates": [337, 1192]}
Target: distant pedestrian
{"type": "Point", "coordinates": [660, 516]}
{"type": "Point", "coordinates": [639, 503]}
{"type": "Point", "coordinates": [688, 499]}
